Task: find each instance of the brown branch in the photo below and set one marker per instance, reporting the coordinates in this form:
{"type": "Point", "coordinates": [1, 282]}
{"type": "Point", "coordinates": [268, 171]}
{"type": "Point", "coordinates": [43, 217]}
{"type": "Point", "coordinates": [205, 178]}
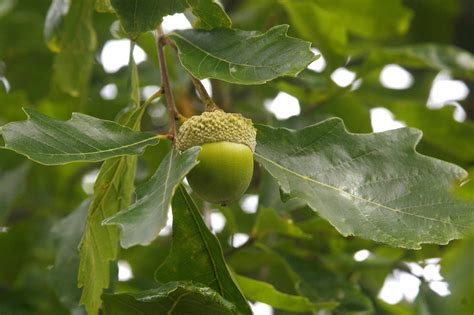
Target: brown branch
{"type": "Point", "coordinates": [165, 84]}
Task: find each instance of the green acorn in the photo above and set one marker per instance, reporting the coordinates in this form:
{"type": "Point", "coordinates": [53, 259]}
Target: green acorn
{"type": "Point", "coordinates": [225, 166]}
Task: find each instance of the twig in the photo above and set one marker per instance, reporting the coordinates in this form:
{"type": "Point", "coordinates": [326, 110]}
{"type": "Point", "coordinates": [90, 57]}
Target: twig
{"type": "Point", "coordinates": [165, 84]}
{"type": "Point", "coordinates": [205, 98]}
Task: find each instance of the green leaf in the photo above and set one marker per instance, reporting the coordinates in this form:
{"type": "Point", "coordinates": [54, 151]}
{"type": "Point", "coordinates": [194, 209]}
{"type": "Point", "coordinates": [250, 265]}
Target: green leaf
{"type": "Point", "coordinates": [263, 292]}
{"type": "Point", "coordinates": [309, 87]}
{"type": "Point", "coordinates": [439, 128]}
{"type": "Point", "coordinates": [6, 7]}
{"type": "Point", "coordinates": [144, 219]}
{"type": "Point", "coordinates": [430, 303]}
{"type": "Point", "coordinates": [82, 138]}
{"type": "Point", "coordinates": [270, 195]}
{"type": "Point", "coordinates": [191, 238]}
{"type": "Point", "coordinates": [443, 137]}
{"type": "Point", "coordinates": [328, 24]}
{"type": "Point", "coordinates": [324, 29]}
{"type": "Point", "coordinates": [75, 41]}
{"type": "Point", "coordinates": [12, 104]}
{"type": "Point", "coordinates": [466, 191]}
{"type": "Point", "coordinates": [172, 298]}
{"type": "Point", "coordinates": [375, 186]}
{"type": "Point", "coordinates": [113, 191]}
{"type": "Point", "coordinates": [54, 20]}
{"type": "Point", "coordinates": [210, 14]}
{"type": "Point", "coordinates": [348, 108]}
{"type": "Point", "coordinates": [103, 6]}
{"type": "Point", "coordinates": [142, 16]}
{"type": "Point", "coordinates": [268, 221]}
{"type": "Point", "coordinates": [457, 269]}
{"type": "Point", "coordinates": [68, 233]}
{"type": "Point", "coordinates": [12, 183]}
{"type": "Point", "coordinates": [323, 286]}
{"type": "Point", "coordinates": [458, 62]}
{"type": "Point", "coordinates": [371, 19]}
{"type": "Point", "coordinates": [242, 57]}
{"type": "Point", "coordinates": [134, 77]}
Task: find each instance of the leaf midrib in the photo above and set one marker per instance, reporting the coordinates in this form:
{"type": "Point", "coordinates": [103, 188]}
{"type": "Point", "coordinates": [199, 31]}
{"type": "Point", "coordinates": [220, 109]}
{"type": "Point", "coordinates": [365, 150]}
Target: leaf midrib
{"type": "Point", "coordinates": [219, 58]}
{"type": "Point", "coordinates": [88, 153]}
{"type": "Point", "coordinates": [358, 197]}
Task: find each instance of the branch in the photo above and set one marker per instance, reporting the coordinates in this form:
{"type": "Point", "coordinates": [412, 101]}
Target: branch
{"type": "Point", "coordinates": [205, 98]}
{"type": "Point", "coordinates": [173, 114]}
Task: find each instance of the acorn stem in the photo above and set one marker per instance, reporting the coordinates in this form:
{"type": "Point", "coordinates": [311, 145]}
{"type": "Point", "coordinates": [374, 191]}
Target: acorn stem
{"type": "Point", "coordinates": [165, 84]}
{"type": "Point", "coordinates": [205, 97]}
{"type": "Point", "coordinates": [182, 118]}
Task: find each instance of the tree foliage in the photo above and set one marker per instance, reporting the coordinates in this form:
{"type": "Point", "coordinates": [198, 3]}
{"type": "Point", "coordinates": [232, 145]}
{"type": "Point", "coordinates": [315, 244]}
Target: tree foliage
{"type": "Point", "coordinates": [335, 207]}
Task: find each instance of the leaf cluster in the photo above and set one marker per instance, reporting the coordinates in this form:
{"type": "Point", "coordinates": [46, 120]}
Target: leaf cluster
{"type": "Point", "coordinates": [89, 181]}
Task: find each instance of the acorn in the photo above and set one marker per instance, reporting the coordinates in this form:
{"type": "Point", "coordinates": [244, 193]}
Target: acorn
{"type": "Point", "coordinates": [225, 166]}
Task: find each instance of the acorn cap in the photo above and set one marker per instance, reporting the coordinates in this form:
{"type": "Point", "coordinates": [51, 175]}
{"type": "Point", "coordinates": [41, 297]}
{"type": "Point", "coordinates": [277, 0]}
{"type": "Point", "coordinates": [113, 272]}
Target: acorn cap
{"type": "Point", "coordinates": [216, 126]}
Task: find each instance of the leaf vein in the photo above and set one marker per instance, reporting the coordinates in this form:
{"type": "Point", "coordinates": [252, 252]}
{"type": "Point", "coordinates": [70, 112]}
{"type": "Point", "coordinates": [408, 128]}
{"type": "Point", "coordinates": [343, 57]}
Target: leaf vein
{"type": "Point", "coordinates": [359, 197]}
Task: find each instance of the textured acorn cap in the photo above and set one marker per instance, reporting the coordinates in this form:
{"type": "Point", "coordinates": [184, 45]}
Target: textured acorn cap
{"type": "Point", "coordinates": [216, 126]}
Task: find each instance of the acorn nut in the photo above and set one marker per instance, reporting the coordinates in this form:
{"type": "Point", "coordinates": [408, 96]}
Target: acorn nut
{"type": "Point", "coordinates": [225, 166]}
